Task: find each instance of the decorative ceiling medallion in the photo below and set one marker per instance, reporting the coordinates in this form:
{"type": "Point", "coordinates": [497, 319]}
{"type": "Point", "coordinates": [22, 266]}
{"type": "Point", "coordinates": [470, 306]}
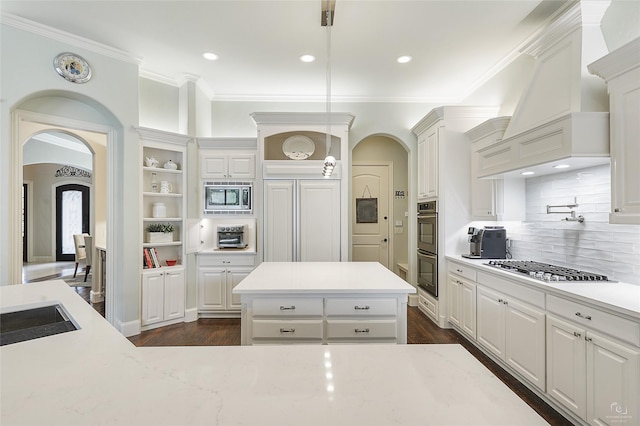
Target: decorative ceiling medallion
{"type": "Point", "coordinates": [72, 67]}
{"type": "Point", "coordinates": [70, 171]}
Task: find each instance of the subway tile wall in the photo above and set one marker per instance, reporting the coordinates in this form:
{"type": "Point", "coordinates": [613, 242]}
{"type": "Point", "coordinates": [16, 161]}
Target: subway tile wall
{"type": "Point", "coordinates": [594, 245]}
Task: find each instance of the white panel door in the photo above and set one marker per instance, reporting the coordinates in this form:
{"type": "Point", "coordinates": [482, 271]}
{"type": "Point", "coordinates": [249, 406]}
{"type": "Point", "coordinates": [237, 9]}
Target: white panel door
{"type": "Point", "coordinates": [152, 297]}
{"type": "Point", "coordinates": [453, 300]}
{"type": "Point", "coordinates": [525, 341]}
{"type": "Point", "coordinates": [242, 166]}
{"type": "Point", "coordinates": [319, 220]}
{"type": "Point", "coordinates": [211, 282]}
{"type": "Point", "coordinates": [234, 277]}
{"type": "Point", "coordinates": [174, 294]}
{"type": "Point", "coordinates": [468, 308]}
{"type": "Point", "coordinates": [491, 321]}
{"type": "Point", "coordinates": [214, 166]}
{"type": "Point", "coordinates": [566, 365]}
{"type": "Point", "coordinates": [370, 235]}
{"type": "Point", "coordinates": [613, 382]}
{"type": "Point", "coordinates": [279, 221]}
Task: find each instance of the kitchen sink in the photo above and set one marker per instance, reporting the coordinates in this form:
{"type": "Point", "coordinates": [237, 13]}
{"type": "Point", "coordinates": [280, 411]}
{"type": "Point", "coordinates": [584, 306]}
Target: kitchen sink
{"type": "Point", "coordinates": [34, 323]}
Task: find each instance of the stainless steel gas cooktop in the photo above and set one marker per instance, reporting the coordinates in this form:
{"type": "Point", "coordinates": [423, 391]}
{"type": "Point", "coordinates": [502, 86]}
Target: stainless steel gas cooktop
{"type": "Point", "coordinates": [545, 272]}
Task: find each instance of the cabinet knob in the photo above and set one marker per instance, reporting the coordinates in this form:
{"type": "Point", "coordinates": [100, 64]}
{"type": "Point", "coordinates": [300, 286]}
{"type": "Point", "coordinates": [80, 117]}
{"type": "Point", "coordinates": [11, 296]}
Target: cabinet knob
{"type": "Point", "coordinates": [383, 241]}
{"type": "Point", "coordinates": [616, 210]}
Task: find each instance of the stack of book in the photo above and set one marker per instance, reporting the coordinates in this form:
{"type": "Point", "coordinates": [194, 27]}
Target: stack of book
{"type": "Point", "coordinates": [150, 258]}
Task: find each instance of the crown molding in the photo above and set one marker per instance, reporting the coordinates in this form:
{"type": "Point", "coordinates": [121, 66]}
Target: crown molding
{"type": "Point", "coordinates": [618, 62]}
{"type": "Point", "coordinates": [68, 38]}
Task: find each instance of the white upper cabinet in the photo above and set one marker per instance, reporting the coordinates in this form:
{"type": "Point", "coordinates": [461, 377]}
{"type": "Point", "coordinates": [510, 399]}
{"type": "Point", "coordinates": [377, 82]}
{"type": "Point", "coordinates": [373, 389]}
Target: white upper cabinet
{"type": "Point", "coordinates": [621, 70]}
{"type": "Point", "coordinates": [227, 158]}
{"type": "Point", "coordinates": [493, 199]}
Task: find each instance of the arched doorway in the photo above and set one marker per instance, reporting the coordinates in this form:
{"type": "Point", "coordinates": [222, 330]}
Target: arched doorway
{"type": "Point", "coordinates": [376, 159]}
{"type": "Point", "coordinates": [102, 137]}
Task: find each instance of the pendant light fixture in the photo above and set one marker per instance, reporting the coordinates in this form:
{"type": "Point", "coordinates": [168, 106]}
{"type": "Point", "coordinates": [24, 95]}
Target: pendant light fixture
{"type": "Point", "coordinates": [328, 9]}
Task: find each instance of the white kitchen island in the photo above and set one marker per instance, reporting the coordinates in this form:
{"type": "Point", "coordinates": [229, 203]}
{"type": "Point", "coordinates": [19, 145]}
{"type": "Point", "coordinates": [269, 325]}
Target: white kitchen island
{"type": "Point", "coordinates": [323, 302]}
{"type": "Point", "coordinates": [96, 376]}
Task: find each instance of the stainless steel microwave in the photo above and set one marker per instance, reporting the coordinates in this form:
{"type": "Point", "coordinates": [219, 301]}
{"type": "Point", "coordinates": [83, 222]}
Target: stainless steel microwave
{"type": "Point", "coordinates": [227, 197]}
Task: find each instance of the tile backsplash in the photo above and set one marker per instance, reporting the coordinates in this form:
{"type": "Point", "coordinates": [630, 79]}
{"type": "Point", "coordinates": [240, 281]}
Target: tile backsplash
{"type": "Point", "coordinates": [594, 245]}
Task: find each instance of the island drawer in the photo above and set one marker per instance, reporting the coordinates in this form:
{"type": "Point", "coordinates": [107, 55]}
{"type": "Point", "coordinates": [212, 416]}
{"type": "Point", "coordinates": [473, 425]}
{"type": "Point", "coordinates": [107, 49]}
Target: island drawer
{"type": "Point", "coordinates": [370, 329]}
{"type": "Point", "coordinates": [361, 306]}
{"type": "Point", "coordinates": [595, 319]}
{"type": "Point", "coordinates": [288, 306]}
{"type": "Point", "coordinates": [289, 330]}
{"type": "Point", "coordinates": [462, 270]}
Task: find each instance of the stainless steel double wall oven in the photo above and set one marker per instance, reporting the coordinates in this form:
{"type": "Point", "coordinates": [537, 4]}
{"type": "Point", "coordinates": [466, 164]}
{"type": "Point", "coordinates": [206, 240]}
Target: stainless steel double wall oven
{"type": "Point", "coordinates": [428, 247]}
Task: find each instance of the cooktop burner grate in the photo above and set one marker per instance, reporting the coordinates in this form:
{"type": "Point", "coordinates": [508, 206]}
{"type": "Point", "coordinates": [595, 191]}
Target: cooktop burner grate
{"type": "Point", "coordinates": [546, 272]}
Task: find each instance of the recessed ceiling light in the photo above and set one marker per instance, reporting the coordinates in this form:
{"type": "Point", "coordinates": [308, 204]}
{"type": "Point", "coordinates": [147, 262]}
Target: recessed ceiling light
{"type": "Point", "coordinates": [561, 166]}
{"type": "Point", "coordinates": [404, 59]}
{"type": "Point", "coordinates": [527, 173]}
{"type": "Point", "coordinates": [307, 58]}
{"type": "Point", "coordinates": [210, 56]}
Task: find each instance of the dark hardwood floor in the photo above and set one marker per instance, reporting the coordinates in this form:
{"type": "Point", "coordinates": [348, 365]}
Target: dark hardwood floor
{"type": "Point", "coordinates": [420, 330]}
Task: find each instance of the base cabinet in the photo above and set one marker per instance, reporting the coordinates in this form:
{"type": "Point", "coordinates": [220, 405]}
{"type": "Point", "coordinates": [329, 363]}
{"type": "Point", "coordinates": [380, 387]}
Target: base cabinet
{"type": "Point", "coordinates": [514, 332]}
{"type": "Point", "coordinates": [218, 275]}
{"type": "Point", "coordinates": [594, 377]}
{"type": "Point", "coordinates": [462, 304]}
{"type": "Point", "coordinates": [428, 305]}
{"type": "Point", "coordinates": [215, 288]}
{"type": "Point", "coordinates": [162, 296]}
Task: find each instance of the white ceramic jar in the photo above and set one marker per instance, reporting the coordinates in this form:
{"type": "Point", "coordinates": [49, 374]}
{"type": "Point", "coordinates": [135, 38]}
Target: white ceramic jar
{"type": "Point", "coordinates": [159, 210]}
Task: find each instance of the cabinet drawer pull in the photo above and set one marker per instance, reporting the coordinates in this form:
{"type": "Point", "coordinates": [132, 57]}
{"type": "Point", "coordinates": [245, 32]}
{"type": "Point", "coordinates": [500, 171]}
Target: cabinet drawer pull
{"type": "Point", "coordinates": [287, 330]}
{"type": "Point", "coordinates": [576, 334]}
{"type": "Point", "coordinates": [361, 330]}
{"type": "Point", "coordinates": [588, 339]}
{"type": "Point", "coordinates": [287, 308]}
{"type": "Point", "coordinates": [361, 308]}
{"type": "Point", "coordinates": [459, 270]}
{"type": "Point", "coordinates": [500, 301]}
{"type": "Point", "coordinates": [587, 317]}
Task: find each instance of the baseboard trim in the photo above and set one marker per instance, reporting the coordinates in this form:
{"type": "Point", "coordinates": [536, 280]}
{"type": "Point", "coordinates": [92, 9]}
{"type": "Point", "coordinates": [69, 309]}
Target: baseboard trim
{"type": "Point", "coordinates": [96, 297]}
{"type": "Point", "coordinates": [191, 315]}
{"type": "Point", "coordinates": [413, 300]}
{"type": "Point", "coordinates": [130, 328]}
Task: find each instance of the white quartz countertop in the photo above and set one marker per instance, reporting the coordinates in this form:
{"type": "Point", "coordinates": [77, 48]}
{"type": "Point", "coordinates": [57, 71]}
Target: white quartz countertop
{"type": "Point", "coordinates": [621, 298]}
{"type": "Point", "coordinates": [96, 376]}
{"type": "Point", "coordinates": [322, 277]}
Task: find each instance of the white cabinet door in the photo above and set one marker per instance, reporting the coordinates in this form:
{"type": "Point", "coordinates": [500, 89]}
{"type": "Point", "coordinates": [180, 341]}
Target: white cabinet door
{"type": "Point", "coordinates": [242, 166]}
{"type": "Point", "coordinates": [214, 166]}
{"type": "Point", "coordinates": [279, 221]}
{"type": "Point", "coordinates": [174, 294]}
{"type": "Point", "coordinates": [211, 291]}
{"type": "Point", "coordinates": [491, 321]}
{"type": "Point", "coordinates": [566, 365]}
{"type": "Point", "coordinates": [319, 221]}
{"type": "Point", "coordinates": [453, 300]}
{"type": "Point", "coordinates": [432, 162]}
{"type": "Point", "coordinates": [234, 277]}
{"type": "Point", "coordinates": [525, 341]}
{"type": "Point", "coordinates": [152, 297]}
{"type": "Point", "coordinates": [467, 295]}
{"type": "Point", "coordinates": [422, 167]}
{"type": "Point", "coordinates": [613, 381]}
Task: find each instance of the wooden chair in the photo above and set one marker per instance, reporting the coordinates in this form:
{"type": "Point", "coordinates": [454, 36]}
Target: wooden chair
{"type": "Point", "coordinates": [81, 253]}
{"type": "Point", "coordinates": [88, 247]}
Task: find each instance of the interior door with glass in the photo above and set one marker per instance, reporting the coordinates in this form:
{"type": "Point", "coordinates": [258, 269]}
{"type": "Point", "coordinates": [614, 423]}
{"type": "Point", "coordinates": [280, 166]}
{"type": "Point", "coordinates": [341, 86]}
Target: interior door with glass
{"type": "Point", "coordinates": [72, 217]}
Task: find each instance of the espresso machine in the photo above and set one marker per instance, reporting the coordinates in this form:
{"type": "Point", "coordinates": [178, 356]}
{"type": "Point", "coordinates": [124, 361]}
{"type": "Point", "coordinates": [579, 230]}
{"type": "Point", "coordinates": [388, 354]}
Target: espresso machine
{"type": "Point", "coordinates": [489, 242]}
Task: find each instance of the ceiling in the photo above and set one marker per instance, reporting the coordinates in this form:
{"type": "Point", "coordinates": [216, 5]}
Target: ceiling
{"type": "Point", "coordinates": [455, 45]}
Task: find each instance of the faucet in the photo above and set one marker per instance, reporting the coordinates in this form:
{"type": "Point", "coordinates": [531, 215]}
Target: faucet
{"type": "Point", "coordinates": [573, 217]}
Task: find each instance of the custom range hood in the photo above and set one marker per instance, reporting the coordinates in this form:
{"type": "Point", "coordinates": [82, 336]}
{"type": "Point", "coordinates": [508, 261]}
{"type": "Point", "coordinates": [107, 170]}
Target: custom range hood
{"type": "Point", "coordinates": [561, 119]}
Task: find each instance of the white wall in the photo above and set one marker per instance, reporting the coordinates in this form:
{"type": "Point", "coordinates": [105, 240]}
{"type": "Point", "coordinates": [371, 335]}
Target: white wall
{"type": "Point", "coordinates": [594, 245]}
{"type": "Point", "coordinates": [29, 82]}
